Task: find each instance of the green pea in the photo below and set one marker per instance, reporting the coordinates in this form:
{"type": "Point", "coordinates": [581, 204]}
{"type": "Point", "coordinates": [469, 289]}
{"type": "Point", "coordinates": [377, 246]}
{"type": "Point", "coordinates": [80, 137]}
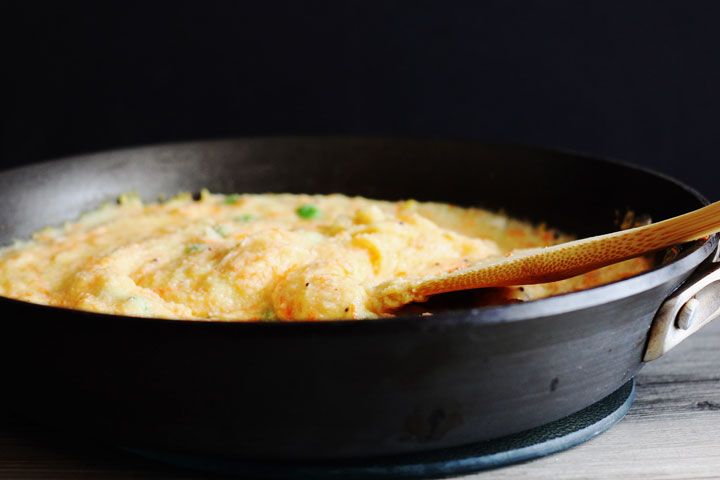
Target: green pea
{"type": "Point", "coordinates": [307, 212]}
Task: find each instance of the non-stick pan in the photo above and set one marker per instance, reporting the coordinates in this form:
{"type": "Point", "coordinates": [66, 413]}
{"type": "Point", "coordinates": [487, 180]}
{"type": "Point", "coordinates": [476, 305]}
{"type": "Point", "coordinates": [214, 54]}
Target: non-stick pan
{"type": "Point", "coordinates": [347, 389]}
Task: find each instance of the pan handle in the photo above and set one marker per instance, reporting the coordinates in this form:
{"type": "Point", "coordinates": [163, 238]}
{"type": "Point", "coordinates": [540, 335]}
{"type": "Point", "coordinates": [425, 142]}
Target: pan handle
{"type": "Point", "coordinates": [692, 306]}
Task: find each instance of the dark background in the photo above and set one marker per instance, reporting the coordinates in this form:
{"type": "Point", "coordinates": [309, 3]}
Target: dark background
{"type": "Point", "coordinates": [634, 80]}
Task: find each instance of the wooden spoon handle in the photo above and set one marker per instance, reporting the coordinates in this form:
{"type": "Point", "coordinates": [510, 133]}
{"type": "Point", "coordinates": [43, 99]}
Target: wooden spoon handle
{"type": "Point", "coordinates": [562, 261]}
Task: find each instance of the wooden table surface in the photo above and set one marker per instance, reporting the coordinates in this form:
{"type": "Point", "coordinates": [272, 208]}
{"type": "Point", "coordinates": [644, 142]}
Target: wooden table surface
{"type": "Point", "coordinates": [671, 432]}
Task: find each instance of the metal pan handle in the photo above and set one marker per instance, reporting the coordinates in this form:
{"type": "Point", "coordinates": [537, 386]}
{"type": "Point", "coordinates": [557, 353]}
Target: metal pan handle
{"type": "Point", "coordinates": [692, 306]}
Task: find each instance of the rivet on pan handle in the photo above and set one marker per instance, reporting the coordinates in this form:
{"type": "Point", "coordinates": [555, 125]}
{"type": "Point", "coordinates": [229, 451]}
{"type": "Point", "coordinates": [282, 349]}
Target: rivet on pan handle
{"type": "Point", "coordinates": [687, 310]}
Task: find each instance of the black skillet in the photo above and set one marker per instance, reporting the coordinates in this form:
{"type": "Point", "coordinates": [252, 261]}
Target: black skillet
{"type": "Point", "coordinates": [339, 389]}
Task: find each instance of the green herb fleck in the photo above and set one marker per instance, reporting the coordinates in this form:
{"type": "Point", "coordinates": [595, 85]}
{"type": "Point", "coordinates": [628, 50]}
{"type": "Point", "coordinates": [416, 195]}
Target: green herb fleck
{"type": "Point", "coordinates": [244, 218]}
{"type": "Point", "coordinates": [269, 315]}
{"type": "Point", "coordinates": [222, 230]}
{"type": "Point", "coordinates": [230, 199]}
{"type": "Point", "coordinates": [307, 212]}
{"type": "Point", "coordinates": [141, 302]}
{"type": "Point", "coordinates": [195, 247]}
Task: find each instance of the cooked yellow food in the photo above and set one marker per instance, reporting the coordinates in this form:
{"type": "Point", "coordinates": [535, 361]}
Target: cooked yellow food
{"type": "Point", "coordinates": [263, 257]}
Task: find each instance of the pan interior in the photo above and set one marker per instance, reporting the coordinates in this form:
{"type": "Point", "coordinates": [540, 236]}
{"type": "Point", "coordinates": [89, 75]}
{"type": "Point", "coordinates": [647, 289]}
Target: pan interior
{"type": "Point", "coordinates": [576, 194]}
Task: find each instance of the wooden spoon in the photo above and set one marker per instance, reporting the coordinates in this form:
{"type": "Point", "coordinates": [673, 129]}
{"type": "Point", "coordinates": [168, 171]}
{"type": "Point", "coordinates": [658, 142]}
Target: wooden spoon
{"type": "Point", "coordinates": [548, 264]}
